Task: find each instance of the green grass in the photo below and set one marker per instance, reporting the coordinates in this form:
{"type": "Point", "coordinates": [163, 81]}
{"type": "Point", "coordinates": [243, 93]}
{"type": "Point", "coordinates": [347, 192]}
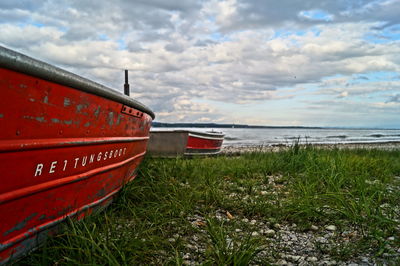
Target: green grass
{"type": "Point", "coordinates": [176, 210]}
{"type": "Point", "coordinates": [229, 251]}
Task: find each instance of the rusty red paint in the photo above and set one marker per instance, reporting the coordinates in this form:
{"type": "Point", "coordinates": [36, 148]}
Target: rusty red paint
{"type": "Point", "coordinates": [200, 142]}
{"type": "Point", "coordinates": [63, 151]}
{"type": "Point", "coordinates": [209, 142]}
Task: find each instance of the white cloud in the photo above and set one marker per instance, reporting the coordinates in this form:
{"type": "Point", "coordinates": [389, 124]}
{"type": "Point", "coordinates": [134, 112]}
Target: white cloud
{"type": "Point", "coordinates": [229, 52]}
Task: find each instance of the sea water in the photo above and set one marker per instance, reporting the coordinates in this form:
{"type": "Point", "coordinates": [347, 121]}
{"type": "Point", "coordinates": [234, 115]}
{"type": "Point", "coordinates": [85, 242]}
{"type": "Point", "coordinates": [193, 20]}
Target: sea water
{"type": "Point", "coordinates": [288, 136]}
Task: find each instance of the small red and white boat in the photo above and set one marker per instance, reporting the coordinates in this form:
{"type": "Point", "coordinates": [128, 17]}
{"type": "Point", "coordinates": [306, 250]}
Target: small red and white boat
{"type": "Point", "coordinates": [184, 142]}
{"type": "Point", "coordinates": [67, 145]}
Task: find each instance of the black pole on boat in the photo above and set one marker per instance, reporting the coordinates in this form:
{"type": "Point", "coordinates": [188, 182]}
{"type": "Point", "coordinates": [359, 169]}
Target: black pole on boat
{"type": "Point", "coordinates": [126, 85]}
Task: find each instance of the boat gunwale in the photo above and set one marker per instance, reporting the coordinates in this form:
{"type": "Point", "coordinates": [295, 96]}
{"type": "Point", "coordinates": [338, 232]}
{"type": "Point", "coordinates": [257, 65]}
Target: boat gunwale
{"type": "Point", "coordinates": [34, 144]}
{"type": "Point", "coordinates": [15, 61]}
{"type": "Point", "coordinates": [200, 133]}
{"type": "Point", "coordinates": [205, 137]}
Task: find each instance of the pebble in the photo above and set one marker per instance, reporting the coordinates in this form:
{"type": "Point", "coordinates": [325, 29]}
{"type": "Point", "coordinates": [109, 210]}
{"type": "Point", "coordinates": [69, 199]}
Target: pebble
{"type": "Point", "coordinates": [253, 222]}
{"type": "Point", "coordinates": [277, 226]}
{"type": "Point", "coordinates": [314, 228]}
{"type": "Point", "coordinates": [391, 238]}
{"type": "Point", "coordinates": [237, 230]}
{"type": "Point", "coordinates": [189, 246]}
{"type": "Point", "coordinates": [364, 259]}
{"type": "Point", "coordinates": [255, 234]}
{"type": "Point", "coordinates": [281, 262]}
{"type": "Point", "coordinates": [322, 240]}
{"type": "Point", "coordinates": [331, 228]}
{"type": "Point", "coordinates": [312, 259]}
{"type": "Point", "coordinates": [269, 232]}
{"type": "Point", "coordinates": [285, 237]}
{"type": "Point", "coordinates": [295, 258]}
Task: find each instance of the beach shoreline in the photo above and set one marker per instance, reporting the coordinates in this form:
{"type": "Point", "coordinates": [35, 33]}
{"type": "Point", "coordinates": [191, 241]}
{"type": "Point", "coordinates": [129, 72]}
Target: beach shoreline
{"type": "Point", "coordinates": [235, 149]}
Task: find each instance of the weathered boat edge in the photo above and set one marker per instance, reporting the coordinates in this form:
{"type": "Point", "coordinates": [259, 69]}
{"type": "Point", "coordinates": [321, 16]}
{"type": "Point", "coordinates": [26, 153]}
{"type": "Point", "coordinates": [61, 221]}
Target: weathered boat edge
{"type": "Point", "coordinates": [179, 141]}
{"type": "Point", "coordinates": [30, 66]}
{"type": "Point", "coordinates": [208, 153]}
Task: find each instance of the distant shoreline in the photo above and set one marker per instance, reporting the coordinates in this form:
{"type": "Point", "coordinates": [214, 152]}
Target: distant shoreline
{"type": "Point", "coordinates": [216, 125]}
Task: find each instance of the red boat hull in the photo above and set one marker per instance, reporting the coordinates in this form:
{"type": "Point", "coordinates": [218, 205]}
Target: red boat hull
{"type": "Point", "coordinates": [171, 143]}
{"type": "Point", "coordinates": [63, 151]}
{"type": "Point", "coordinates": [204, 143]}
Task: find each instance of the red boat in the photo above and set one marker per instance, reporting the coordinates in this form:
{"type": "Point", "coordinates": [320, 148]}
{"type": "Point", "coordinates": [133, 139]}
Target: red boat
{"type": "Point", "coordinates": [67, 145]}
{"type": "Point", "coordinates": [184, 142]}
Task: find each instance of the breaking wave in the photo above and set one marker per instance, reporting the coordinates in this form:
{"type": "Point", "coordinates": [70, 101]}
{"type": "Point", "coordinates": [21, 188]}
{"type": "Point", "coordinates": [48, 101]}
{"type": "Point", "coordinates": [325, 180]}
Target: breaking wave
{"type": "Point", "coordinates": [337, 137]}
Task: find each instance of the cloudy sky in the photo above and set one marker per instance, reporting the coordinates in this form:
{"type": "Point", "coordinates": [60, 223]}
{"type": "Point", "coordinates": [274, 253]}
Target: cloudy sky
{"type": "Point", "coordinates": [265, 62]}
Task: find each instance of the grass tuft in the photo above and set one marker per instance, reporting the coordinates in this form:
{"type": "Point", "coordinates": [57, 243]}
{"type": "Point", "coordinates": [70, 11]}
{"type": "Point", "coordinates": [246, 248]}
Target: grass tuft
{"type": "Point", "coordinates": [228, 250]}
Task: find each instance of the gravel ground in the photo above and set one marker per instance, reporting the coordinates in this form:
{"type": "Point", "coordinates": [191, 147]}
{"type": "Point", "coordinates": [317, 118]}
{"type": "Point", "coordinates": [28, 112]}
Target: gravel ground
{"type": "Point", "coordinates": [290, 244]}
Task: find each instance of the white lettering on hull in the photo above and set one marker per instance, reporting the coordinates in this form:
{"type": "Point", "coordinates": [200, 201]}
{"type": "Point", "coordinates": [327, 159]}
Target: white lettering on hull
{"type": "Point", "coordinates": [39, 168]}
{"type": "Point", "coordinates": [52, 167]}
{"type": "Point", "coordinates": [65, 164]}
{"type": "Point", "coordinates": [91, 158]}
{"type": "Point", "coordinates": [86, 160]}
